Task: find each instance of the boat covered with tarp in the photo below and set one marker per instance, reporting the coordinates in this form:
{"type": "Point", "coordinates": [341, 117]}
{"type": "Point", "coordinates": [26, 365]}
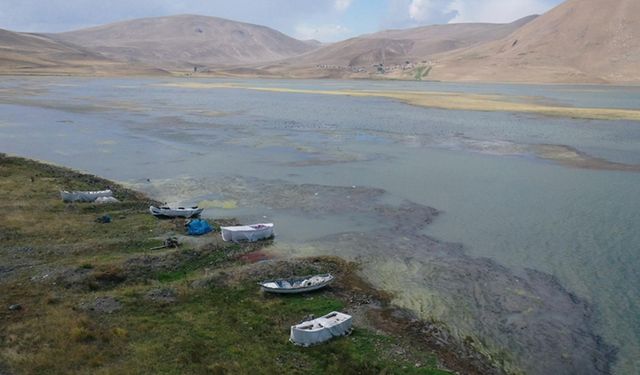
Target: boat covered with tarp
{"type": "Point", "coordinates": [84, 196]}
{"type": "Point", "coordinates": [297, 284]}
{"type": "Point", "coordinates": [249, 233]}
{"type": "Point", "coordinates": [198, 227]}
{"type": "Point", "coordinates": [321, 329]}
{"type": "Point", "coordinates": [166, 211]}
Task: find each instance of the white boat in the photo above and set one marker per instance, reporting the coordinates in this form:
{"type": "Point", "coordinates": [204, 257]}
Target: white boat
{"type": "Point", "coordinates": [251, 233]}
{"type": "Point", "coordinates": [321, 329]}
{"type": "Point", "coordinates": [297, 284]}
{"type": "Point", "coordinates": [166, 211]}
{"type": "Point", "coordinates": [84, 196]}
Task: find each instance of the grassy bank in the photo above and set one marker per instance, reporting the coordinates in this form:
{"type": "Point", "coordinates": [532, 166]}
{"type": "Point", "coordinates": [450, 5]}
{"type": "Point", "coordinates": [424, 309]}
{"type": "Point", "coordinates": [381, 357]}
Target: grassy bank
{"type": "Point", "coordinates": [94, 299]}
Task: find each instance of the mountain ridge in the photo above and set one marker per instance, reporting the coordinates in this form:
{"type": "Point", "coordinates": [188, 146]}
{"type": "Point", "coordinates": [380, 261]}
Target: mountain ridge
{"type": "Point", "coordinates": [579, 41]}
{"type": "Point", "coordinates": [185, 41]}
{"type": "Point", "coordinates": [394, 47]}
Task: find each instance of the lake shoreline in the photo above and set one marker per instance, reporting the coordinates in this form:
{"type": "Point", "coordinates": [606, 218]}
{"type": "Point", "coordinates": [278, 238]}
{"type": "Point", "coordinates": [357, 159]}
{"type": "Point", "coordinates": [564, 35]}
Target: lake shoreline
{"type": "Point", "coordinates": [186, 74]}
{"type": "Point", "coordinates": [74, 273]}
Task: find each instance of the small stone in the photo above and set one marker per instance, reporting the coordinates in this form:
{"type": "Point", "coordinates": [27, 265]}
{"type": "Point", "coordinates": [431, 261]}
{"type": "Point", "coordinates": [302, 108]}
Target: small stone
{"type": "Point", "coordinates": [15, 307]}
{"type": "Point", "coordinates": [105, 304]}
{"type": "Point", "coordinates": [165, 295]}
{"type": "Point", "coordinates": [105, 219]}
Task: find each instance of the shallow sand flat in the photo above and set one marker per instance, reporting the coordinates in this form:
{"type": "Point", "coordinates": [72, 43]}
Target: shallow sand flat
{"type": "Point", "coordinates": [445, 100]}
{"type": "Point", "coordinates": [571, 157]}
{"type": "Point", "coordinates": [561, 154]}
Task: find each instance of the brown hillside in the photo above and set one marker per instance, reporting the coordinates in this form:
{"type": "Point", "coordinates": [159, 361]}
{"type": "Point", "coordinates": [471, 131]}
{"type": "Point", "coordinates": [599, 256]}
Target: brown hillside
{"type": "Point", "coordinates": [392, 47]}
{"type": "Point", "coordinates": [578, 41]}
{"type": "Point", "coordinates": [185, 41]}
{"type": "Point", "coordinates": [22, 53]}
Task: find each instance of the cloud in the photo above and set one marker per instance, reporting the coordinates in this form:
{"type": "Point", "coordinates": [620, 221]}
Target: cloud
{"type": "Point", "coordinates": [342, 5]}
{"type": "Point", "coordinates": [496, 11]}
{"type": "Point", "coordinates": [419, 9]}
{"type": "Point", "coordinates": [412, 13]}
{"type": "Point", "coordinates": [323, 33]}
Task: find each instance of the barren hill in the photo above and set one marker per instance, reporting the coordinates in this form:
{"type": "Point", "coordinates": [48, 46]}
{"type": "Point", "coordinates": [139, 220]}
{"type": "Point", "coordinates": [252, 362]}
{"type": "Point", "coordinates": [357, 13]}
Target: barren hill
{"type": "Point", "coordinates": [396, 46]}
{"type": "Point", "coordinates": [185, 41]}
{"type": "Point", "coordinates": [22, 53]}
{"type": "Point", "coordinates": [399, 51]}
{"type": "Point", "coordinates": [578, 41]}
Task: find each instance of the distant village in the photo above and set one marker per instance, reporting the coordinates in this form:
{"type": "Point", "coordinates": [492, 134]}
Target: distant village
{"type": "Point", "coordinates": [379, 68]}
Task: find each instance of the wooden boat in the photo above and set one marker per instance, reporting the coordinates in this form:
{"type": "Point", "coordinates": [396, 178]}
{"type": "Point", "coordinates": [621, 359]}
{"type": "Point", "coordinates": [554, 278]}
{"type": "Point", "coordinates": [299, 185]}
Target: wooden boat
{"type": "Point", "coordinates": [250, 233]}
{"type": "Point", "coordinates": [166, 211]}
{"type": "Point", "coordinates": [297, 284]}
{"type": "Point", "coordinates": [322, 329]}
{"type": "Point", "coordinates": [84, 196]}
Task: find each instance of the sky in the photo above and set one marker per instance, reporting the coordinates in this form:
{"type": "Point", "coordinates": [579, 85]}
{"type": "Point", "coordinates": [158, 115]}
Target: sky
{"type": "Point", "coordinates": [324, 20]}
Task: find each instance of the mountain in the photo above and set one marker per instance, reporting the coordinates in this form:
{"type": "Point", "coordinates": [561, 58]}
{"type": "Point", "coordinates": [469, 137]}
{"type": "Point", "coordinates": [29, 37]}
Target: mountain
{"type": "Point", "coordinates": [22, 53]}
{"type": "Point", "coordinates": [578, 41]}
{"type": "Point", "coordinates": [394, 47]}
{"type": "Point", "coordinates": [185, 41]}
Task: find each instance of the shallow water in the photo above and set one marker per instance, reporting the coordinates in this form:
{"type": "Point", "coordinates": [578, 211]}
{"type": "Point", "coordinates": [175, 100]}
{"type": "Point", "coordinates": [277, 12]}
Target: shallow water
{"type": "Point", "coordinates": [354, 177]}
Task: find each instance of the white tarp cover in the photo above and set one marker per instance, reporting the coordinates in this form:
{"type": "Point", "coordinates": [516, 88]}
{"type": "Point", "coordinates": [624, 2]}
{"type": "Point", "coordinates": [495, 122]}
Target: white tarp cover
{"type": "Point", "coordinates": [84, 196]}
{"type": "Point", "coordinates": [321, 329]}
{"type": "Point", "coordinates": [104, 200]}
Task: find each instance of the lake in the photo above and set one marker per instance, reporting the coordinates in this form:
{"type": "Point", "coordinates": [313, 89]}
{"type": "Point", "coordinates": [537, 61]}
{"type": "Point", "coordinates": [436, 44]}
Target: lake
{"type": "Point", "coordinates": [463, 215]}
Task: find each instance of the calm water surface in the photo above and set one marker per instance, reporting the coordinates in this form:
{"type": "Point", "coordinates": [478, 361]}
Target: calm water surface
{"type": "Point", "coordinates": [316, 165]}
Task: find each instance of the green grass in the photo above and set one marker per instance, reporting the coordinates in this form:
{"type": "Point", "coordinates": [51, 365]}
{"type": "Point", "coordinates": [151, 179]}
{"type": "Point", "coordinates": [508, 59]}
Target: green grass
{"type": "Point", "coordinates": [192, 265]}
{"type": "Point", "coordinates": [421, 72]}
{"type": "Point", "coordinates": [238, 330]}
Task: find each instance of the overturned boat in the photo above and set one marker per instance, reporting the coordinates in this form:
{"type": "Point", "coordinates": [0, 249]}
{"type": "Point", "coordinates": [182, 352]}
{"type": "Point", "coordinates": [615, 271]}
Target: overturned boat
{"type": "Point", "coordinates": [166, 211]}
{"type": "Point", "coordinates": [84, 196]}
{"type": "Point", "coordinates": [297, 284]}
{"type": "Point", "coordinates": [321, 329]}
{"type": "Point", "coordinates": [250, 233]}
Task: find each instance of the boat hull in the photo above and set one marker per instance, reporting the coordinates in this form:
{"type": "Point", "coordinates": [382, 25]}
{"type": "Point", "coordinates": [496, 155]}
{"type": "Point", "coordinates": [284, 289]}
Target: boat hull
{"type": "Point", "coordinates": [322, 329]}
{"type": "Point", "coordinates": [247, 233]}
{"type": "Point", "coordinates": [297, 285]}
{"type": "Point", "coordinates": [170, 213]}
